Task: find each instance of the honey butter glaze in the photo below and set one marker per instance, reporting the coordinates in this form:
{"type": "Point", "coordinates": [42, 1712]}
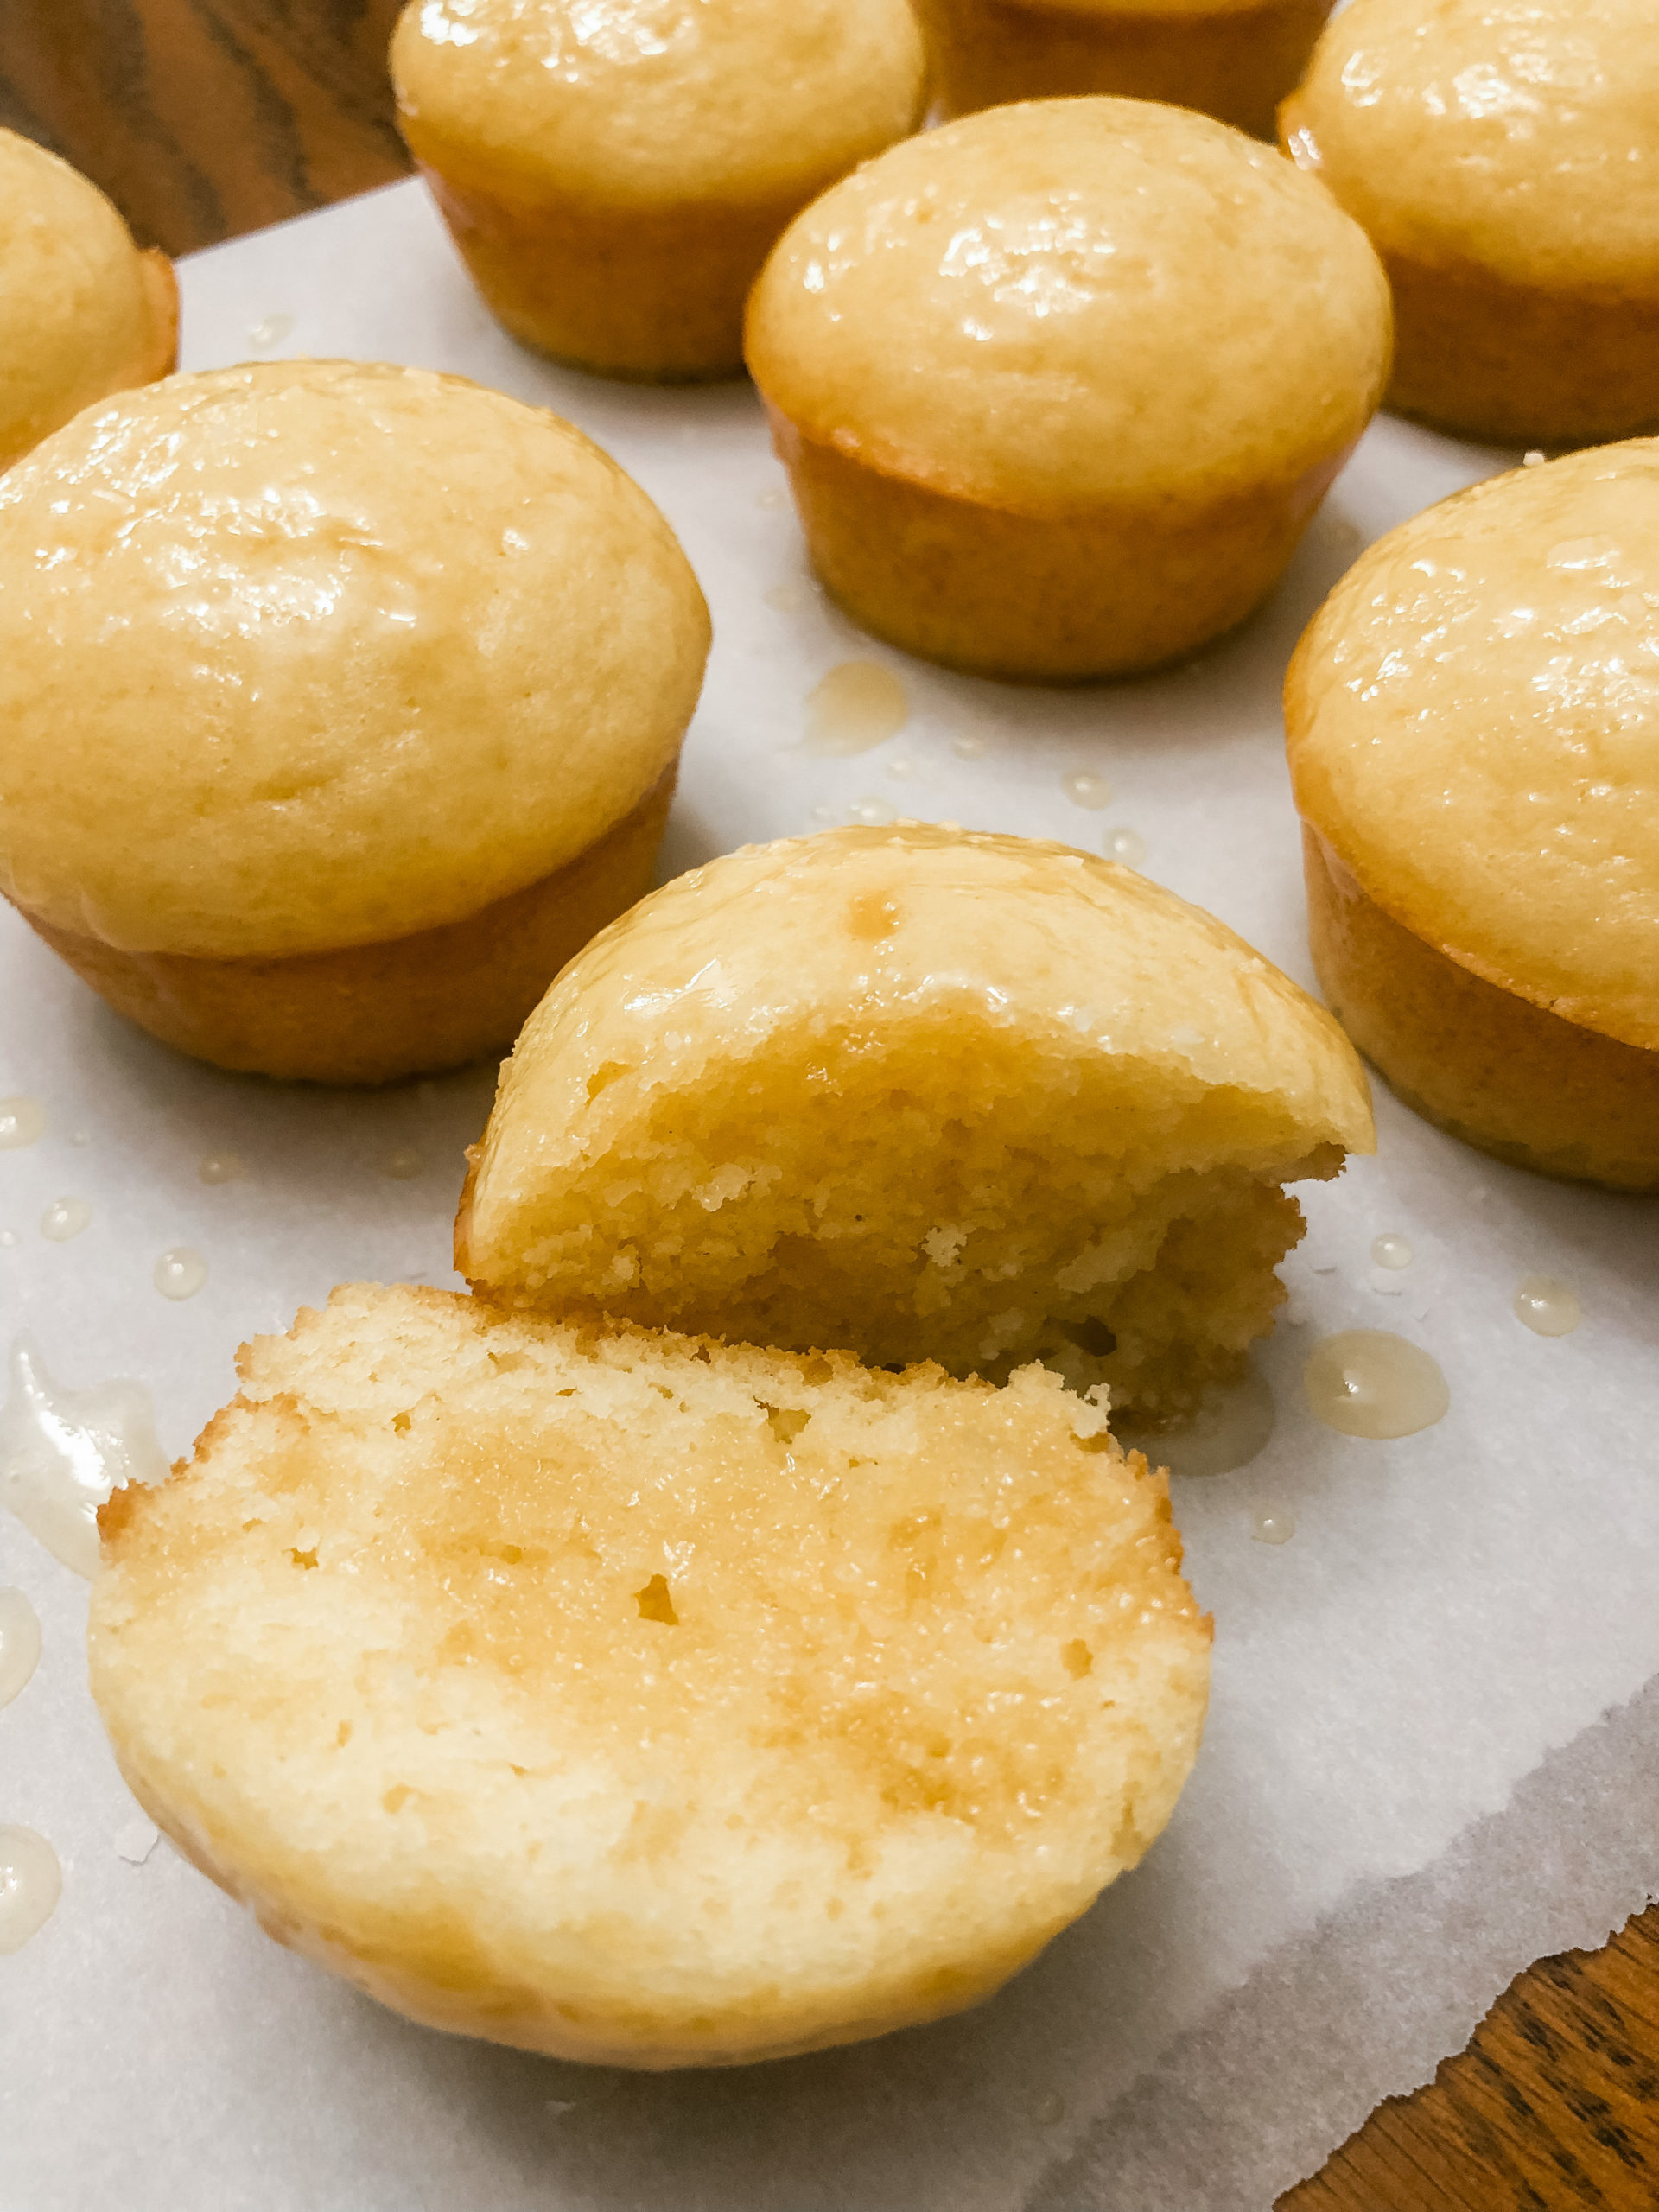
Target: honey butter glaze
{"type": "Point", "coordinates": [307, 654]}
{"type": "Point", "coordinates": [1521, 136]}
{"type": "Point", "coordinates": [1059, 305]}
{"type": "Point", "coordinates": [656, 102]}
{"type": "Point", "coordinates": [1474, 730]}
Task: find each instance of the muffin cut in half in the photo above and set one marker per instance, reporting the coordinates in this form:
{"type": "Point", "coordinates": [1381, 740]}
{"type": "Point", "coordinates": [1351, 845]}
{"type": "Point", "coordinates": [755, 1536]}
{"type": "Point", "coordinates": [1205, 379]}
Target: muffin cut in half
{"type": "Point", "coordinates": [83, 312]}
{"type": "Point", "coordinates": [342, 703]}
{"type": "Point", "coordinates": [637, 1699]}
{"type": "Point", "coordinates": [1235, 60]}
{"type": "Point", "coordinates": [614, 172]}
{"type": "Point", "coordinates": [1503, 157]}
{"type": "Point", "coordinates": [1060, 386]}
{"type": "Point", "coordinates": [1473, 724]}
{"type": "Point", "coordinates": [919, 1094]}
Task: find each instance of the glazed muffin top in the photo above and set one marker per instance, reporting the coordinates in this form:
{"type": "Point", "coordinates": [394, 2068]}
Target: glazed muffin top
{"type": "Point", "coordinates": [313, 654]}
{"type": "Point", "coordinates": [1522, 136]}
{"type": "Point", "coordinates": [1065, 303]}
{"type": "Point", "coordinates": [1474, 719]}
{"type": "Point", "coordinates": [82, 312]}
{"type": "Point", "coordinates": [655, 101]}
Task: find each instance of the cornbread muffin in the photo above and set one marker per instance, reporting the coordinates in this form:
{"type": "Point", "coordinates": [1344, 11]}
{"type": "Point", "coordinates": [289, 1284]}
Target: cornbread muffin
{"type": "Point", "coordinates": [1503, 156]}
{"type": "Point", "coordinates": [342, 704]}
{"type": "Point", "coordinates": [614, 172]}
{"type": "Point", "coordinates": [1233, 59]}
{"type": "Point", "coordinates": [1474, 719]}
{"type": "Point", "coordinates": [1059, 387]}
{"type": "Point", "coordinates": [920, 1094]}
{"type": "Point", "coordinates": [632, 1699]}
{"type": "Point", "coordinates": [83, 313]}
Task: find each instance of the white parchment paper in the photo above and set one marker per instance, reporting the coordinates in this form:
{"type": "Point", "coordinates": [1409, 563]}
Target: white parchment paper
{"type": "Point", "coordinates": [1398, 1803]}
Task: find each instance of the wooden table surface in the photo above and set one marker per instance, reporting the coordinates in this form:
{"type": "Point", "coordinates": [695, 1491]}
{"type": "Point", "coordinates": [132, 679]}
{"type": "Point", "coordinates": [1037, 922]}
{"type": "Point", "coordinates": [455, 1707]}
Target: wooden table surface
{"type": "Point", "coordinates": [204, 118]}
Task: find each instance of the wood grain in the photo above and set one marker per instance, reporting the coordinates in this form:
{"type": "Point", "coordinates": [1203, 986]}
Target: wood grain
{"type": "Point", "coordinates": [1555, 2103]}
{"type": "Point", "coordinates": [205, 119]}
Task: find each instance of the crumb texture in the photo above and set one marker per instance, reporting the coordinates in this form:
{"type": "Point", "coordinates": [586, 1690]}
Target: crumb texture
{"type": "Point", "coordinates": [634, 1698]}
{"type": "Point", "coordinates": [972, 1099]}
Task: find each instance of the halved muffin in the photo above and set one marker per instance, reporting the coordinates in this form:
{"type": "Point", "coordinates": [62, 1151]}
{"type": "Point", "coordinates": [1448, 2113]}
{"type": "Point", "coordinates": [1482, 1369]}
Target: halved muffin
{"type": "Point", "coordinates": [920, 1095]}
{"type": "Point", "coordinates": [644, 1701]}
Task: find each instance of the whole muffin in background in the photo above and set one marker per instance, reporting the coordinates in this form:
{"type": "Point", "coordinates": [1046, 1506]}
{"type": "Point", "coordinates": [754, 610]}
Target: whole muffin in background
{"type": "Point", "coordinates": [643, 1700]}
{"type": "Point", "coordinates": [83, 313]}
{"type": "Point", "coordinates": [1503, 157]}
{"type": "Point", "coordinates": [614, 172]}
{"type": "Point", "coordinates": [341, 703]}
{"type": "Point", "coordinates": [1474, 719]}
{"type": "Point", "coordinates": [975, 1099]}
{"type": "Point", "coordinates": [1233, 59]}
{"type": "Point", "coordinates": [1060, 386]}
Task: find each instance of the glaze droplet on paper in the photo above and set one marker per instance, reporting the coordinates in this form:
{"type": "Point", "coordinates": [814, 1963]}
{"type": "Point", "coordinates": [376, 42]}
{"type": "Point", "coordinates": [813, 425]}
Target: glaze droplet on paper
{"type": "Point", "coordinates": [873, 811]}
{"type": "Point", "coordinates": [1547, 1307]}
{"type": "Point", "coordinates": [20, 1643]}
{"type": "Point", "coordinates": [180, 1273]}
{"type": "Point", "coordinates": [1083, 788]}
{"type": "Point", "coordinates": [63, 1451]}
{"type": "Point", "coordinates": [968, 745]}
{"type": "Point", "coordinates": [31, 1882]}
{"type": "Point", "coordinates": [1271, 1526]}
{"type": "Point", "coordinates": [1391, 1251]}
{"type": "Point", "coordinates": [1127, 847]}
{"type": "Point", "coordinates": [1233, 1424]}
{"type": "Point", "coordinates": [857, 705]}
{"type": "Point", "coordinates": [221, 1167]}
{"type": "Point", "coordinates": [1369, 1383]}
{"type": "Point", "coordinates": [64, 1218]}
{"type": "Point", "coordinates": [402, 1163]}
{"type": "Point", "coordinates": [22, 1121]}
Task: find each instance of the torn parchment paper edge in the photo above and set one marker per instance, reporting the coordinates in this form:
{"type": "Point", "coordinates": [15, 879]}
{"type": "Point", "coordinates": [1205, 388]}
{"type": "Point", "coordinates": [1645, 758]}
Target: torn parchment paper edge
{"type": "Point", "coordinates": [1367, 2004]}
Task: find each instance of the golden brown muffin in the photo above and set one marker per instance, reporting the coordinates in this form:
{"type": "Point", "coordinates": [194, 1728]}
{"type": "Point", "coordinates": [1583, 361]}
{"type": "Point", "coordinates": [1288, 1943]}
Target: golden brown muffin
{"type": "Point", "coordinates": [642, 1700]}
{"type": "Point", "coordinates": [342, 705]}
{"type": "Point", "coordinates": [1503, 156]}
{"type": "Point", "coordinates": [1059, 387]}
{"type": "Point", "coordinates": [82, 312]}
{"type": "Point", "coordinates": [1472, 719]}
{"type": "Point", "coordinates": [614, 172]}
{"type": "Point", "coordinates": [920, 1095]}
{"type": "Point", "coordinates": [1233, 59]}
